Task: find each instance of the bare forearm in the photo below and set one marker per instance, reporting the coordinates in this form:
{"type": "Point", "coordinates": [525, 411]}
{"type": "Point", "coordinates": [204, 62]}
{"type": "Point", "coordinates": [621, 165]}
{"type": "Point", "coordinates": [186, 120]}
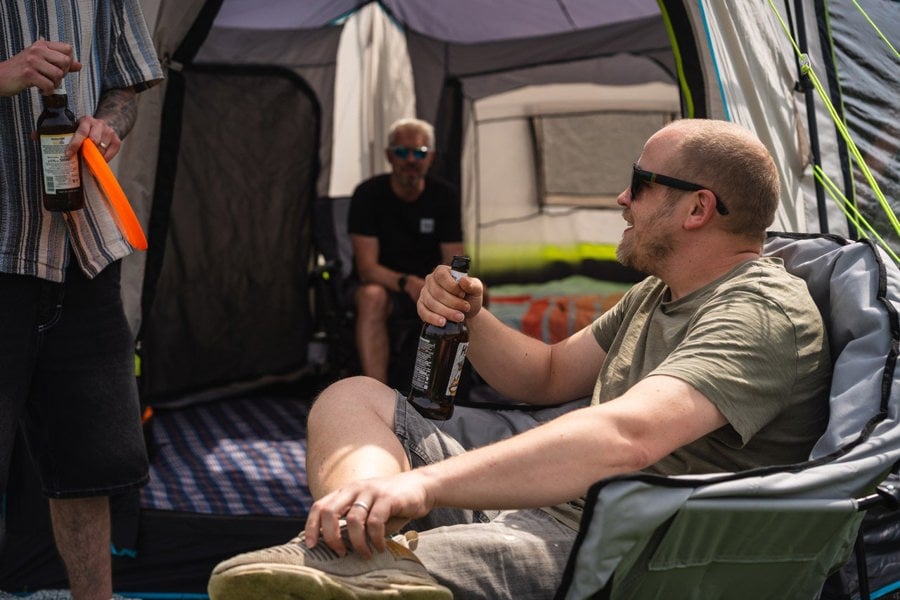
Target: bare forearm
{"type": "Point", "coordinates": [548, 465]}
{"type": "Point", "coordinates": [559, 460]}
{"type": "Point", "coordinates": [529, 370]}
{"type": "Point", "coordinates": [513, 363]}
{"type": "Point", "coordinates": [518, 366]}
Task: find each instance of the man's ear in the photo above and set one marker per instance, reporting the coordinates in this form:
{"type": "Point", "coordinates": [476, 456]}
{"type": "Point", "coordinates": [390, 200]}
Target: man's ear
{"type": "Point", "coordinates": [703, 206]}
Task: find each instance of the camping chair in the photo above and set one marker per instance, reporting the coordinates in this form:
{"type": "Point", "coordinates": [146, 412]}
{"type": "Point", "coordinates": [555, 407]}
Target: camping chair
{"type": "Point", "coordinates": [774, 532]}
{"type": "Point", "coordinates": [333, 347]}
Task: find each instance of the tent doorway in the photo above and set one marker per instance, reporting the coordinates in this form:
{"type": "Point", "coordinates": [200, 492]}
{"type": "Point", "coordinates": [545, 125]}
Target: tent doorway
{"type": "Point", "coordinates": [225, 288]}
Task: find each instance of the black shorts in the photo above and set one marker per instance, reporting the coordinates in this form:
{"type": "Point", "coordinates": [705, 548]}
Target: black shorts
{"type": "Point", "coordinates": [402, 306]}
{"type": "Point", "coordinates": [67, 375]}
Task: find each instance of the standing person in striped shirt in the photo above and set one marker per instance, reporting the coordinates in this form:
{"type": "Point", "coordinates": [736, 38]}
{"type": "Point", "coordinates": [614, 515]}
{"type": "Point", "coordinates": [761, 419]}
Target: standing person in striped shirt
{"type": "Point", "coordinates": [66, 350]}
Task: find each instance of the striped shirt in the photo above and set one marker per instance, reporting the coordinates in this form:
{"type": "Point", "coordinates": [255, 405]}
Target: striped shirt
{"type": "Point", "coordinates": [113, 44]}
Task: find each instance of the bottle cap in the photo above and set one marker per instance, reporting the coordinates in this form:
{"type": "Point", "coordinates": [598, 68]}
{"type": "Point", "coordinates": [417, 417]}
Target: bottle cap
{"type": "Point", "coordinates": [460, 263]}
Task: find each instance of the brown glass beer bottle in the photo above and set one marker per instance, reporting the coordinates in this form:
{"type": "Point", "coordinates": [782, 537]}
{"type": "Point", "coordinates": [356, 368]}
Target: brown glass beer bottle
{"type": "Point", "coordinates": [439, 361]}
{"type": "Point", "coordinates": [62, 175]}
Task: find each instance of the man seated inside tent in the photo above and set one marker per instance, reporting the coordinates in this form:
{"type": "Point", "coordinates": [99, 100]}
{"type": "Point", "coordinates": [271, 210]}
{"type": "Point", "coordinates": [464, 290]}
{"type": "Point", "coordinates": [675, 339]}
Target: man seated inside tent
{"type": "Point", "coordinates": [717, 362]}
{"type": "Point", "coordinates": [402, 224]}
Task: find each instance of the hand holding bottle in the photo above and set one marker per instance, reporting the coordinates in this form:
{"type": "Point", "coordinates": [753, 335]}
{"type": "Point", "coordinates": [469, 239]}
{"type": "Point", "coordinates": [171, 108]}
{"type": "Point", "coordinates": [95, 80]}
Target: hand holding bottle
{"type": "Point", "coordinates": [444, 299]}
{"type": "Point", "coordinates": [440, 358]}
{"type": "Point", "coordinates": [42, 65]}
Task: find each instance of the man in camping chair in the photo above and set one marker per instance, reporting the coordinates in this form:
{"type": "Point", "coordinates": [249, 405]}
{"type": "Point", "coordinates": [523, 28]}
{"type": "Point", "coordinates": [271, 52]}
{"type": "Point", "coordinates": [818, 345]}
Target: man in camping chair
{"type": "Point", "coordinates": [401, 225]}
{"type": "Point", "coordinates": [717, 362]}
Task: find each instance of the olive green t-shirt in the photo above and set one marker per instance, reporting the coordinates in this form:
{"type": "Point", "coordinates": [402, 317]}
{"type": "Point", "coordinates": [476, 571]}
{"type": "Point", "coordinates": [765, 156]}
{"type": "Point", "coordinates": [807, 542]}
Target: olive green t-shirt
{"type": "Point", "coordinates": [752, 342]}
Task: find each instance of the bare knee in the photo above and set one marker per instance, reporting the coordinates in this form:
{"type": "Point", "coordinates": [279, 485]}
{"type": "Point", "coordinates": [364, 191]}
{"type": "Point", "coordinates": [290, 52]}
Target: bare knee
{"type": "Point", "coordinates": [353, 397]}
{"type": "Point", "coordinates": [373, 301]}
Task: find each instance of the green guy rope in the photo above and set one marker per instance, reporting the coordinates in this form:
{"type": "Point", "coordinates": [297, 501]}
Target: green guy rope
{"type": "Point", "coordinates": [807, 70]}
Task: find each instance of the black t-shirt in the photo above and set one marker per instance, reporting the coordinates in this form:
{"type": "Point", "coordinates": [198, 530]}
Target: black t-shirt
{"type": "Point", "coordinates": [409, 234]}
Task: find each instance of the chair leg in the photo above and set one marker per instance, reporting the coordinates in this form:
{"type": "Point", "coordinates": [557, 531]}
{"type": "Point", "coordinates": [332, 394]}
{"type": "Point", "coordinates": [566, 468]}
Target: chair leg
{"type": "Point", "coordinates": [862, 569]}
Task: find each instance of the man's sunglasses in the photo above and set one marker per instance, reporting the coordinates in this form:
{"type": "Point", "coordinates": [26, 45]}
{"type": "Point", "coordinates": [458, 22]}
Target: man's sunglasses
{"type": "Point", "coordinates": [402, 152]}
{"type": "Point", "coordinates": [640, 176]}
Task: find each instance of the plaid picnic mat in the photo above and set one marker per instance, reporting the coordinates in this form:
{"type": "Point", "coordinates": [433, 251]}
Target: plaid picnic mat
{"type": "Point", "coordinates": [242, 456]}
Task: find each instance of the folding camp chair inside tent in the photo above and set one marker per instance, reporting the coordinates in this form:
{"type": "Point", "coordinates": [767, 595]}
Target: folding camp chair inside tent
{"type": "Point", "coordinates": [772, 532]}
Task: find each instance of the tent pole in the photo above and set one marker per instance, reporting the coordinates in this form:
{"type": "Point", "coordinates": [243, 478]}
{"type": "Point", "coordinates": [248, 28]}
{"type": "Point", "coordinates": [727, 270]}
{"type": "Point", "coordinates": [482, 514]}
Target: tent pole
{"type": "Point", "coordinates": [804, 85]}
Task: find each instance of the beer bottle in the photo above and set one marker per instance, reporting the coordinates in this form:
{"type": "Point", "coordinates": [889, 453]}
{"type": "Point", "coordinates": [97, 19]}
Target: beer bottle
{"type": "Point", "coordinates": [439, 361]}
{"type": "Point", "coordinates": [62, 175]}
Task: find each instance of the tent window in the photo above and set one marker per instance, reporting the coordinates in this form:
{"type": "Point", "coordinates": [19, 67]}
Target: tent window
{"type": "Point", "coordinates": [585, 159]}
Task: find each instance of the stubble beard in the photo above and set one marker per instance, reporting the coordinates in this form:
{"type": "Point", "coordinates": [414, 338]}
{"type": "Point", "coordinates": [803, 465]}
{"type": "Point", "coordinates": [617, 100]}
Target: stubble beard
{"type": "Point", "coordinates": [647, 251]}
{"type": "Point", "coordinates": [409, 180]}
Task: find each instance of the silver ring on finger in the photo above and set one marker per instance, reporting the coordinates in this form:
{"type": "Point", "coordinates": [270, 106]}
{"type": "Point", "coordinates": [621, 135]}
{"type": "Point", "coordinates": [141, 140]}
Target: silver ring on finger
{"type": "Point", "coordinates": [104, 145]}
{"type": "Point", "coordinates": [362, 505]}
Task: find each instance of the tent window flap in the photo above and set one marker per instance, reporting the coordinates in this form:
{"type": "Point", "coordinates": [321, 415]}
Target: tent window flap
{"type": "Point", "coordinates": [585, 159]}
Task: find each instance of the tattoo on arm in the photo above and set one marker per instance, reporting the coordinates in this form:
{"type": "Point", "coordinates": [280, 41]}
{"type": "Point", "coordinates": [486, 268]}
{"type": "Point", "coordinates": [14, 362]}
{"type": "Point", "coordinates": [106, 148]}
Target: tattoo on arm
{"type": "Point", "coordinates": [118, 108]}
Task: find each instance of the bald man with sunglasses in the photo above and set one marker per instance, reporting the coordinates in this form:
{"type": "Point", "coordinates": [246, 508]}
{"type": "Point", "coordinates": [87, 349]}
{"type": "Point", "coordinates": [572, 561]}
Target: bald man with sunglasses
{"type": "Point", "coordinates": [402, 225]}
{"type": "Point", "coordinates": [717, 362]}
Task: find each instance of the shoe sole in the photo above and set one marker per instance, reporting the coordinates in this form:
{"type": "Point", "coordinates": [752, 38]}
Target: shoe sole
{"type": "Point", "coordinates": [281, 582]}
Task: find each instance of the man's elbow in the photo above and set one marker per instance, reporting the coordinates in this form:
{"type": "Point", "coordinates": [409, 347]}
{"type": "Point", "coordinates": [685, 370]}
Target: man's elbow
{"type": "Point", "coordinates": [628, 453]}
{"type": "Point", "coordinates": [637, 456]}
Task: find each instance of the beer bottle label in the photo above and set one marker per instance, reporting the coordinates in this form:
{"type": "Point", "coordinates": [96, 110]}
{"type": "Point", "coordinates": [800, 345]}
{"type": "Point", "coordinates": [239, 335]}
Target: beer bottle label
{"type": "Point", "coordinates": [60, 171]}
{"type": "Point", "coordinates": [422, 369]}
{"type": "Point", "coordinates": [456, 372]}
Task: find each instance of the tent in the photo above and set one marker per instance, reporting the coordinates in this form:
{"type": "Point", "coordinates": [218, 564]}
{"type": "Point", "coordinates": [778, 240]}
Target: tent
{"type": "Point", "coordinates": [272, 107]}
{"type": "Point", "coordinates": [295, 100]}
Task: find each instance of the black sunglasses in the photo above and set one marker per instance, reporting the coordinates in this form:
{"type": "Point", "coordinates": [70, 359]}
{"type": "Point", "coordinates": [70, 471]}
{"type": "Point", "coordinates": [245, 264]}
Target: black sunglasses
{"type": "Point", "coordinates": [640, 176]}
{"type": "Point", "coordinates": [402, 152]}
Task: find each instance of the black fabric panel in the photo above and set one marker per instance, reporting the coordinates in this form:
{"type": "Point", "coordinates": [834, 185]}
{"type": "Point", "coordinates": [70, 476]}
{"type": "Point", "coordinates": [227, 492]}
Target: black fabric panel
{"type": "Point", "coordinates": [805, 85]}
{"type": "Point", "coordinates": [880, 562]}
{"type": "Point", "coordinates": [690, 56]}
{"type": "Point", "coordinates": [195, 37]}
{"type": "Point", "coordinates": [833, 88]}
{"type": "Point", "coordinates": [864, 79]}
{"type": "Point", "coordinates": [448, 129]}
{"type": "Point", "coordinates": [231, 302]}
{"type": "Point", "coordinates": [166, 163]}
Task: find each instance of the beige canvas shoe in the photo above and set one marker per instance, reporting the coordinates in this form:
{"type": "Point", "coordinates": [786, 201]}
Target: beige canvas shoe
{"type": "Point", "coordinates": [293, 571]}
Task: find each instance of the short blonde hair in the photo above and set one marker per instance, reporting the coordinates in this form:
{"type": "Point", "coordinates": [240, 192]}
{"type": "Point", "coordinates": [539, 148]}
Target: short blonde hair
{"type": "Point", "coordinates": [734, 163]}
{"type": "Point", "coordinates": [411, 123]}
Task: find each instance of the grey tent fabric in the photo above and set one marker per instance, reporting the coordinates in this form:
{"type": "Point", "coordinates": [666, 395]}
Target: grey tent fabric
{"type": "Point", "coordinates": [365, 63]}
{"type": "Point", "coordinates": [219, 301]}
{"type": "Point", "coordinates": [461, 52]}
{"type": "Point", "coordinates": [458, 22]}
{"type": "Point", "coordinates": [233, 266]}
{"type": "Point", "coordinates": [640, 533]}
